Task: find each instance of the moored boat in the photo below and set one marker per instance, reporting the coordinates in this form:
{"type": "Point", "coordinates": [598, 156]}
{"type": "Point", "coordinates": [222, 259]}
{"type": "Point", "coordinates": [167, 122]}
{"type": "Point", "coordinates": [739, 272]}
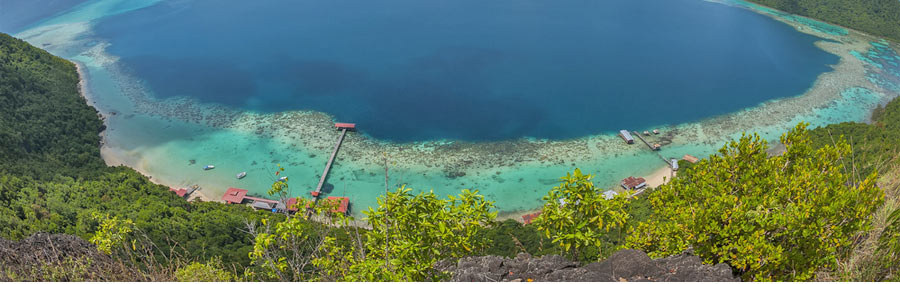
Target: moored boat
{"type": "Point", "coordinates": [209, 167]}
{"type": "Point", "coordinates": [241, 175]}
{"type": "Point", "coordinates": [282, 179]}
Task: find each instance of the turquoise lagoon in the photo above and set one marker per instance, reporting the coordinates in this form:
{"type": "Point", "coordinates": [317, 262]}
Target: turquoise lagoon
{"type": "Point", "coordinates": [504, 105]}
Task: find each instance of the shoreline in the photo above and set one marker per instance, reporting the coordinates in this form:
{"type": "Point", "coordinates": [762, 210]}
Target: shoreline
{"type": "Point", "coordinates": [113, 160]}
{"type": "Point", "coordinates": [471, 164]}
{"type": "Point", "coordinates": [659, 177]}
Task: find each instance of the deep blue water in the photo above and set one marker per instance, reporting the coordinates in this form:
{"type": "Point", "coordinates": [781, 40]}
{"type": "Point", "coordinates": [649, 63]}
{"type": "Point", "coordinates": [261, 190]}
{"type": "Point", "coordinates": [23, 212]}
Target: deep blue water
{"type": "Point", "coordinates": [17, 14]}
{"type": "Point", "coordinates": [469, 69]}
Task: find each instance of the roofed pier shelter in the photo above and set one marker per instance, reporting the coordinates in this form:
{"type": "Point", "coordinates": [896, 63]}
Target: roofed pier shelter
{"type": "Point", "coordinates": [342, 125]}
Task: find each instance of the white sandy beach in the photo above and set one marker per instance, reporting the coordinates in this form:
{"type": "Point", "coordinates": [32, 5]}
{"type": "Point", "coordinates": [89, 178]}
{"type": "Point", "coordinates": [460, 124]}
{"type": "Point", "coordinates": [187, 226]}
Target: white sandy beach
{"type": "Point", "coordinates": [112, 159]}
{"type": "Point", "coordinates": [659, 177]}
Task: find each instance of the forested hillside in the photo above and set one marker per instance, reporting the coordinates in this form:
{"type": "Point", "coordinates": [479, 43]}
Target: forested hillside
{"type": "Point", "coordinates": [52, 177]}
{"type": "Point", "coordinates": [876, 17]}
{"type": "Point", "coordinates": [40, 105]}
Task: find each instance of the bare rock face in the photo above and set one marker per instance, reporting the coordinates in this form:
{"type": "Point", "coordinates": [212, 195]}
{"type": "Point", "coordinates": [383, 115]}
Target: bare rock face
{"type": "Point", "coordinates": [57, 257]}
{"type": "Point", "coordinates": [42, 247]}
{"type": "Point", "coordinates": [624, 265]}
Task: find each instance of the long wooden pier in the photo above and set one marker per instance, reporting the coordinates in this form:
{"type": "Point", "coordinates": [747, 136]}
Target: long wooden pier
{"type": "Point", "coordinates": [638, 135]}
{"type": "Point", "coordinates": [328, 167]}
{"type": "Point", "coordinates": [654, 149]}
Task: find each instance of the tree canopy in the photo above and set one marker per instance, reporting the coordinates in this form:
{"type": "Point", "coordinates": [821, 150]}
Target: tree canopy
{"type": "Point", "coordinates": [46, 127]}
{"type": "Point", "coordinates": [877, 17]}
{"type": "Point", "coordinates": [771, 218]}
{"type": "Point", "coordinates": [52, 178]}
{"type": "Point", "coordinates": [577, 215]}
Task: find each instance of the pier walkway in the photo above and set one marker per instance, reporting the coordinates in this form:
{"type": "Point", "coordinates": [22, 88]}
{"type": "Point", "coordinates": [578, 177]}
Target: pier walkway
{"type": "Point", "coordinates": [344, 127]}
{"type": "Point", "coordinates": [655, 149]}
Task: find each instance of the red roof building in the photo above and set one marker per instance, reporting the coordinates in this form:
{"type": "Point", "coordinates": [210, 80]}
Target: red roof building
{"type": "Point", "coordinates": [690, 158]}
{"type": "Point", "coordinates": [342, 206]}
{"type": "Point", "coordinates": [180, 192]}
{"type": "Point", "coordinates": [348, 126]}
{"type": "Point", "coordinates": [530, 217]}
{"type": "Point", "coordinates": [234, 195]}
{"type": "Point", "coordinates": [634, 183]}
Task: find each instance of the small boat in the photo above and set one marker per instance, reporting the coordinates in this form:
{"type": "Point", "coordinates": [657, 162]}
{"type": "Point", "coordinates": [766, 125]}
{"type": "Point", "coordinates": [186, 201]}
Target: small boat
{"type": "Point", "coordinates": [209, 167]}
{"type": "Point", "coordinates": [241, 175]}
{"type": "Point", "coordinates": [655, 131]}
{"type": "Point", "coordinates": [646, 132]}
{"type": "Point", "coordinates": [282, 179]}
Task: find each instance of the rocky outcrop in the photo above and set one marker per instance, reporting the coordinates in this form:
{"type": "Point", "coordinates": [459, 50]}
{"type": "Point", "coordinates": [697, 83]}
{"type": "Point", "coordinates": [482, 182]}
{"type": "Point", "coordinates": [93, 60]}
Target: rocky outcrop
{"type": "Point", "coordinates": [43, 247]}
{"type": "Point", "coordinates": [624, 265]}
{"type": "Point", "coordinates": [58, 257]}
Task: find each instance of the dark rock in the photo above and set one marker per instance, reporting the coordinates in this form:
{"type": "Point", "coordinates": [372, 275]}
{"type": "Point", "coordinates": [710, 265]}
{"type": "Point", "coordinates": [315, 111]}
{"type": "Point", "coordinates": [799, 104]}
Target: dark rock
{"type": "Point", "coordinates": [72, 259]}
{"type": "Point", "coordinates": [43, 247]}
{"type": "Point", "coordinates": [624, 265]}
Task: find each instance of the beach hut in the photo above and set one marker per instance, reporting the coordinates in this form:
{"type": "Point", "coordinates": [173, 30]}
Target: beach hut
{"type": "Point", "coordinates": [181, 192]}
{"type": "Point", "coordinates": [234, 195]}
{"type": "Point", "coordinates": [634, 183]}
{"type": "Point", "coordinates": [528, 218]}
{"type": "Point", "coordinates": [342, 203]}
{"type": "Point", "coordinates": [288, 204]}
{"type": "Point", "coordinates": [262, 205]}
{"type": "Point", "coordinates": [626, 136]}
{"type": "Point", "coordinates": [690, 158]}
{"type": "Point", "coordinates": [609, 194]}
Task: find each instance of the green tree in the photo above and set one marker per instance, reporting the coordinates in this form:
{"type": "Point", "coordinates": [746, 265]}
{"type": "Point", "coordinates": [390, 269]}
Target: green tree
{"type": "Point", "coordinates": [409, 234]}
{"type": "Point", "coordinates": [211, 271]}
{"type": "Point", "coordinates": [284, 250]}
{"type": "Point", "coordinates": [770, 218]}
{"type": "Point", "coordinates": [577, 216]}
{"type": "Point", "coordinates": [877, 17]}
{"type": "Point", "coordinates": [112, 232]}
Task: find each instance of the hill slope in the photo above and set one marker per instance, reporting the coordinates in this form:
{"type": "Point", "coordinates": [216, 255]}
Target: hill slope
{"type": "Point", "coordinates": [876, 17]}
{"type": "Point", "coordinates": [52, 177]}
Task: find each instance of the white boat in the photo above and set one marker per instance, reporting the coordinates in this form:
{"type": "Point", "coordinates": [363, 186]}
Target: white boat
{"type": "Point", "coordinates": [282, 179]}
{"type": "Point", "coordinates": [209, 167]}
{"type": "Point", "coordinates": [241, 175]}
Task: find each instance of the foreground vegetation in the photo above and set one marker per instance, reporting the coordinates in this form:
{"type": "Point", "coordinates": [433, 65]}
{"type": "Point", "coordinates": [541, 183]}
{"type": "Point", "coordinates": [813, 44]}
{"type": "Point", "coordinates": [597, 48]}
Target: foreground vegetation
{"type": "Point", "coordinates": [876, 17]}
{"type": "Point", "coordinates": [814, 212]}
{"type": "Point", "coordinates": [771, 218]}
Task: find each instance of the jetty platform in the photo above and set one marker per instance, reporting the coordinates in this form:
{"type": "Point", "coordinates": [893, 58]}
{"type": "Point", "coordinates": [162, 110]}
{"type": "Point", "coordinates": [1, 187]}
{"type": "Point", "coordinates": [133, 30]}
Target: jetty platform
{"type": "Point", "coordinates": [655, 148]}
{"type": "Point", "coordinates": [343, 127]}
